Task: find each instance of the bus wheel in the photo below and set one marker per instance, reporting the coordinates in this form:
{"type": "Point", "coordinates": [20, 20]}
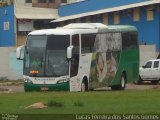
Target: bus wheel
{"type": "Point", "coordinates": [122, 85]}
{"type": "Point", "coordinates": [84, 86]}
{"type": "Point", "coordinates": [139, 81]}
{"type": "Point", "coordinates": [123, 82]}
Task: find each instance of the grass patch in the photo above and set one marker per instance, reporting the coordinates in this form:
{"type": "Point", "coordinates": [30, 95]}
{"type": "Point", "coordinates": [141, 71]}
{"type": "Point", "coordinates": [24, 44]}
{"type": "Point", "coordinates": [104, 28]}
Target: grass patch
{"type": "Point", "coordinates": [96, 102]}
{"type": "Point", "coordinates": [78, 104]}
{"type": "Point", "coordinates": [55, 104]}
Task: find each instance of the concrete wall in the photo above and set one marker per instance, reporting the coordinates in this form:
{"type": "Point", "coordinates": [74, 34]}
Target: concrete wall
{"type": "Point", "coordinates": [147, 52]}
{"type": "Point", "coordinates": [20, 2]}
{"type": "Point", "coordinates": [10, 67]}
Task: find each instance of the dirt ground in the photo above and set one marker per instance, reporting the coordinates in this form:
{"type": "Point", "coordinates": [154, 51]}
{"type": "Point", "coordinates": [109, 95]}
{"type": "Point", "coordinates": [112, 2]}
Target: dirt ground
{"type": "Point", "coordinates": [19, 88]}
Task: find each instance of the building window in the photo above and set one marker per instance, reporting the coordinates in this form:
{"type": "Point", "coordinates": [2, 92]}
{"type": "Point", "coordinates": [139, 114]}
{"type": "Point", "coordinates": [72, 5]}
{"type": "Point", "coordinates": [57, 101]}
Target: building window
{"type": "Point", "coordinates": [116, 18]}
{"type": "Point", "coordinates": [28, 1]}
{"type": "Point", "coordinates": [150, 14]}
{"type": "Point", "coordinates": [41, 1]}
{"type": "Point", "coordinates": [105, 19]}
{"type": "Point", "coordinates": [51, 1]}
{"type": "Point", "coordinates": [88, 19]}
{"type": "Point", "coordinates": [64, 1]}
{"type": "Point", "coordinates": [136, 14]}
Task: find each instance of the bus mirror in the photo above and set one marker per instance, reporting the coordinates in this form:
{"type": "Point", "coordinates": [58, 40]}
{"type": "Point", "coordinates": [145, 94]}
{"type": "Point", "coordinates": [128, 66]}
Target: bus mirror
{"type": "Point", "coordinates": [69, 52]}
{"type": "Point", "coordinates": [20, 52]}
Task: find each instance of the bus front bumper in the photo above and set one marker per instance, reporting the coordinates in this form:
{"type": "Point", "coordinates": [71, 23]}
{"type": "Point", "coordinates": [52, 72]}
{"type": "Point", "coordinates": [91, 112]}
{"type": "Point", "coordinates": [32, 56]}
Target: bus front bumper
{"type": "Point", "coordinates": [46, 87]}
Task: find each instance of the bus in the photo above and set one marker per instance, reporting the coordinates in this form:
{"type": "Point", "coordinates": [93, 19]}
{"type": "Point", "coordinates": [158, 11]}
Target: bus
{"type": "Point", "coordinates": [80, 57]}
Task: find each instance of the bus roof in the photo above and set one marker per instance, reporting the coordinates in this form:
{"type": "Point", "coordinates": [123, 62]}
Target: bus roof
{"type": "Point", "coordinates": [62, 31]}
{"type": "Point", "coordinates": [119, 28]}
{"type": "Point", "coordinates": [84, 28]}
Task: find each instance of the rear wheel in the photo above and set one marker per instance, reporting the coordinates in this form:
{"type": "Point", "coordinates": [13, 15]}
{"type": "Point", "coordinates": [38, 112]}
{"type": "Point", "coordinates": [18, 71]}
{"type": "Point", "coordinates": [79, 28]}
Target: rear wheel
{"type": "Point", "coordinates": [139, 81]}
{"type": "Point", "coordinates": [84, 86]}
{"type": "Point", "coordinates": [122, 85]}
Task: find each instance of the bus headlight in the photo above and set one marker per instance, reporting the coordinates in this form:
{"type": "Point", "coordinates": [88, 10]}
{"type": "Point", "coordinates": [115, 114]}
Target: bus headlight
{"type": "Point", "coordinates": [27, 80]}
{"type": "Point", "coordinates": [62, 81]}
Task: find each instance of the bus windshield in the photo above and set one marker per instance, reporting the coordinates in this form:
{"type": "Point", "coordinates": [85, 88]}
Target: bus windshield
{"type": "Point", "coordinates": [46, 55]}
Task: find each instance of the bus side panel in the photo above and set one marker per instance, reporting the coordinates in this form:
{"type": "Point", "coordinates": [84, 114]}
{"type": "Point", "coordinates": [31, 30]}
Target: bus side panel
{"type": "Point", "coordinates": [104, 67]}
{"type": "Point", "coordinates": [129, 63]}
{"type": "Point", "coordinates": [132, 64]}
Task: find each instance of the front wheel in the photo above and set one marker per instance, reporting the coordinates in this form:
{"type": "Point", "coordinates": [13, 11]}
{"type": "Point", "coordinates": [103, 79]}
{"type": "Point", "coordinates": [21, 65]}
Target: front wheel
{"type": "Point", "coordinates": [83, 88]}
{"type": "Point", "coordinates": [122, 85]}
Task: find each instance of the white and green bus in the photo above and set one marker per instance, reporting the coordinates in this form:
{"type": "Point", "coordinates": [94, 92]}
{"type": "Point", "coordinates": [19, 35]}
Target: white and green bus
{"type": "Point", "coordinates": [80, 57]}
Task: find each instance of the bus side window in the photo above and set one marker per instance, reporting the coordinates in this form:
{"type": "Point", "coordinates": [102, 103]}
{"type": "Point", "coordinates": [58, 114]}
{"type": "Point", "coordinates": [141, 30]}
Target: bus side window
{"type": "Point", "coordinates": [75, 57]}
{"type": "Point", "coordinates": [129, 40]}
{"type": "Point", "coordinates": [87, 43]}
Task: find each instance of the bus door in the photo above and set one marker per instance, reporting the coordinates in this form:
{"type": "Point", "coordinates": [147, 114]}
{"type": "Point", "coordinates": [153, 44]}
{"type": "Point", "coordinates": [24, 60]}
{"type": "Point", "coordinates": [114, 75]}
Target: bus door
{"type": "Point", "coordinates": [74, 81]}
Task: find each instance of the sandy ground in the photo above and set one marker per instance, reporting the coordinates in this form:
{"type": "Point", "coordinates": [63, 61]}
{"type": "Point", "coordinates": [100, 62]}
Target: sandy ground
{"type": "Point", "coordinates": [11, 88]}
{"type": "Point", "coordinates": [20, 88]}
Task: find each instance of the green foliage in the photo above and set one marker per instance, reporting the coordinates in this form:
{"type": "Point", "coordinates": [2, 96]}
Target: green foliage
{"type": "Point", "coordinates": [78, 104]}
{"type": "Point", "coordinates": [55, 104]}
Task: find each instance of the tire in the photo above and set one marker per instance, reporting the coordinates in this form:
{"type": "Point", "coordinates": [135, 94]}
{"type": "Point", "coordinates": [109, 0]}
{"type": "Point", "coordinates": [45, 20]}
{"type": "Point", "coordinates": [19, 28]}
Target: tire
{"type": "Point", "coordinates": [155, 82]}
{"type": "Point", "coordinates": [84, 86]}
{"type": "Point", "coordinates": [122, 85]}
{"type": "Point", "coordinates": [115, 87]}
{"type": "Point", "coordinates": [123, 82]}
{"type": "Point", "coordinates": [139, 81]}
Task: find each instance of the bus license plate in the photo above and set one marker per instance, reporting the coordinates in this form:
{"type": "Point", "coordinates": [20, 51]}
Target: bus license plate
{"type": "Point", "coordinates": [44, 88]}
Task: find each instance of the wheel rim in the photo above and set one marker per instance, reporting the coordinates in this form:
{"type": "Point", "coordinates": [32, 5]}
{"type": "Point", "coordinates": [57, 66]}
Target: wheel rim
{"type": "Point", "coordinates": [123, 82]}
{"type": "Point", "coordinates": [83, 87]}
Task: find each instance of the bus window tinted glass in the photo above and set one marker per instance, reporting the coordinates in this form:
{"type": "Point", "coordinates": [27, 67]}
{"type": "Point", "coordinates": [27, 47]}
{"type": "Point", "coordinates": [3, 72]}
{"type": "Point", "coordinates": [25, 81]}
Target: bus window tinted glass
{"type": "Point", "coordinates": [37, 41]}
{"type": "Point", "coordinates": [129, 40]}
{"type": "Point", "coordinates": [58, 42]}
{"type": "Point", "coordinates": [87, 42]}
